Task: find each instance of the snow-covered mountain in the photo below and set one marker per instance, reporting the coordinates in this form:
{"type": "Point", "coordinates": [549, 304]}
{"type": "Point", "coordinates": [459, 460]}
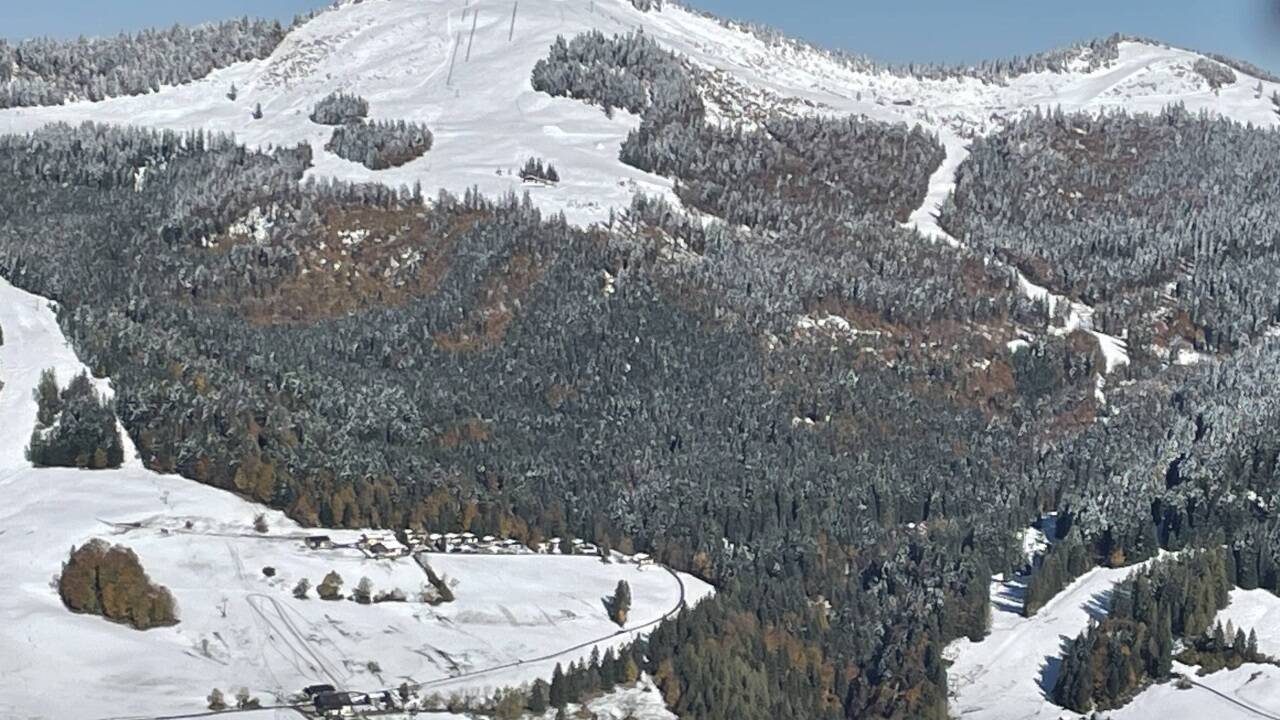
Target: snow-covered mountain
{"type": "Point", "coordinates": [463, 68]}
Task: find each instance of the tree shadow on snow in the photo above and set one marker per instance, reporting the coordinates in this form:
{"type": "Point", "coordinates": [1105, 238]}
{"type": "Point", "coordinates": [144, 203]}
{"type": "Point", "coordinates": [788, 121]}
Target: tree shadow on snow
{"type": "Point", "coordinates": [1011, 596]}
{"type": "Point", "coordinates": [1049, 671]}
{"type": "Point", "coordinates": [1096, 607]}
{"type": "Point", "coordinates": [1099, 605]}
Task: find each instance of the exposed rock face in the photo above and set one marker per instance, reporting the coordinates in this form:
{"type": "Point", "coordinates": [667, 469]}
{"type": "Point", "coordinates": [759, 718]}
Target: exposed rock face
{"type": "Point", "coordinates": [107, 580]}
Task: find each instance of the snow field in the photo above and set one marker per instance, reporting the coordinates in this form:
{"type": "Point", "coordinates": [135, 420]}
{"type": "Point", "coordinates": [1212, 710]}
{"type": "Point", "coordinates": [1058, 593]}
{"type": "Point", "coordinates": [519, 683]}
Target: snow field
{"type": "Point", "coordinates": [238, 627]}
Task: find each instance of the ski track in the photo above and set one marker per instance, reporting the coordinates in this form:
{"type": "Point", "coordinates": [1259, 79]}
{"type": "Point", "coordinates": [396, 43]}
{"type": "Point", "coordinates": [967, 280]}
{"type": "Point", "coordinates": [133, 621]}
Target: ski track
{"type": "Point", "coordinates": [925, 220]}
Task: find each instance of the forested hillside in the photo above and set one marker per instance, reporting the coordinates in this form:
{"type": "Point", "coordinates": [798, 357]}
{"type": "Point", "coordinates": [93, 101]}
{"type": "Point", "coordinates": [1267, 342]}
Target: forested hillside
{"type": "Point", "coordinates": [1164, 223]}
{"type": "Point", "coordinates": [775, 384]}
{"type": "Point", "coordinates": [51, 72]}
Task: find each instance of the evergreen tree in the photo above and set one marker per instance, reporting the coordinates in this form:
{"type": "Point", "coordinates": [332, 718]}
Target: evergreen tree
{"type": "Point", "coordinates": [539, 697]}
{"type": "Point", "coordinates": [557, 694]}
{"type": "Point", "coordinates": [619, 604]}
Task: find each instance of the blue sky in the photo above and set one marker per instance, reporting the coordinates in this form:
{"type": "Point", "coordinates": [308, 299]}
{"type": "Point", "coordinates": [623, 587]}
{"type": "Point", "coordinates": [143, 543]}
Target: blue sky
{"type": "Point", "coordinates": [953, 31]}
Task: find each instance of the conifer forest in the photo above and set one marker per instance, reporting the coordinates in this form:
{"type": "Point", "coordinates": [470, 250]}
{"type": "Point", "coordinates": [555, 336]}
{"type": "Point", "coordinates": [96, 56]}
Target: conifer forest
{"type": "Point", "coordinates": [769, 379]}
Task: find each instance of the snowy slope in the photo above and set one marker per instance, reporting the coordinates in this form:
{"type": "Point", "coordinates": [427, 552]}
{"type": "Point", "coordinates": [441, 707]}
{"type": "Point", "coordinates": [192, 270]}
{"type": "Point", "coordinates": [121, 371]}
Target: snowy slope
{"type": "Point", "coordinates": [487, 120]}
{"type": "Point", "coordinates": [1251, 691]}
{"type": "Point", "coordinates": [1004, 677]}
{"type": "Point", "coordinates": [1258, 610]}
{"type": "Point", "coordinates": [417, 60]}
{"type": "Point", "coordinates": [398, 53]}
{"type": "Point", "coordinates": [239, 628]}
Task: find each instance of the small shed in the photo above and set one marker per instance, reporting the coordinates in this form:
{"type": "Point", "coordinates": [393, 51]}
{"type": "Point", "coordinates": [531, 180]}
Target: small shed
{"type": "Point", "coordinates": [312, 691]}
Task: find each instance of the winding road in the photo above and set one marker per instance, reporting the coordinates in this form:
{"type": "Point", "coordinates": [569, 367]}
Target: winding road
{"type": "Point", "coordinates": [257, 601]}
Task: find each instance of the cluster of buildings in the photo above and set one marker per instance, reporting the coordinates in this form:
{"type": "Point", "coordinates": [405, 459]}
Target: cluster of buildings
{"type": "Point", "coordinates": [411, 542]}
{"type": "Point", "coordinates": [330, 702]}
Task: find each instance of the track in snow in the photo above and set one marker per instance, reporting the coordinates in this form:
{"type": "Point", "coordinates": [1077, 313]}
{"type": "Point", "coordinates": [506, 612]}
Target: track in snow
{"type": "Point", "coordinates": [926, 221]}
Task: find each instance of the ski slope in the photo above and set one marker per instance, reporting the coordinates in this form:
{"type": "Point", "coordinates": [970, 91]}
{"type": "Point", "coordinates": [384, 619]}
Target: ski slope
{"type": "Point", "coordinates": [1007, 676]}
{"type": "Point", "coordinates": [1248, 692]}
{"type": "Point", "coordinates": [1004, 676]}
{"type": "Point", "coordinates": [417, 60]}
{"type": "Point", "coordinates": [520, 614]}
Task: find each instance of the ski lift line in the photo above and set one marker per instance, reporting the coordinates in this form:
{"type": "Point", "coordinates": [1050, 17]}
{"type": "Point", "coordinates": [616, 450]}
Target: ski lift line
{"type": "Point", "coordinates": [515, 7]}
{"type": "Point", "coordinates": [454, 61]}
{"type": "Point", "coordinates": [475, 18]}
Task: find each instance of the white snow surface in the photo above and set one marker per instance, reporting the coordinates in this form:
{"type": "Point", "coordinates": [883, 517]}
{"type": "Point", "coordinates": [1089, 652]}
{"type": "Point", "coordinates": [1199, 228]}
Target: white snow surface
{"type": "Point", "coordinates": [397, 54]}
{"type": "Point", "coordinates": [1248, 692]}
{"type": "Point", "coordinates": [1258, 610]}
{"type": "Point", "coordinates": [1003, 677]}
{"type": "Point", "coordinates": [238, 627]}
{"type": "Point", "coordinates": [642, 701]}
{"type": "Point", "coordinates": [1006, 676]}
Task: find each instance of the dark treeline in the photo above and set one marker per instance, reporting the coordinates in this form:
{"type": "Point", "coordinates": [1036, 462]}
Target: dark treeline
{"type": "Point", "coordinates": [536, 169]}
{"type": "Point", "coordinates": [613, 72]}
{"type": "Point", "coordinates": [1216, 74]}
{"type": "Point", "coordinates": [51, 72]}
{"type": "Point", "coordinates": [382, 144]}
{"type": "Point", "coordinates": [1061, 564]}
{"type": "Point", "coordinates": [75, 426]}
